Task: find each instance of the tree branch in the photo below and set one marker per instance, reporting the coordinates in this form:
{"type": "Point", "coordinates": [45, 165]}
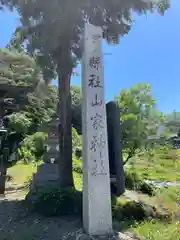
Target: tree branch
{"type": "Point", "coordinates": [131, 153]}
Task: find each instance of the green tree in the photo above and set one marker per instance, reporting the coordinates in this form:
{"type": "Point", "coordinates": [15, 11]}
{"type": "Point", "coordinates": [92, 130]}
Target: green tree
{"type": "Point", "coordinates": [76, 141]}
{"type": "Point", "coordinates": [18, 69]}
{"type": "Point", "coordinates": [42, 109]}
{"type": "Point", "coordinates": [19, 122]}
{"type": "Point", "coordinates": [57, 46]}
{"type": "Point", "coordinates": [23, 126]}
{"type": "Point", "coordinates": [139, 118]}
{"type": "Point", "coordinates": [33, 147]}
{"type": "Point", "coordinates": [18, 73]}
{"type": "Point", "coordinates": [76, 96]}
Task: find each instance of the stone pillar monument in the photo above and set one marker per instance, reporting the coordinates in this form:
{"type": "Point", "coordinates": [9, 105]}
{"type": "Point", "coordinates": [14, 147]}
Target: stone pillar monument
{"type": "Point", "coordinates": [97, 216]}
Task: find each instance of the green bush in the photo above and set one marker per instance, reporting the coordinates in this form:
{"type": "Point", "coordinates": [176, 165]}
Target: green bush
{"type": "Point", "coordinates": [55, 201]}
{"type": "Point", "coordinates": [133, 211]}
{"type": "Point", "coordinates": [133, 182]}
{"type": "Point", "coordinates": [146, 189]}
{"type": "Point", "coordinates": [33, 147]}
{"type": "Point", "coordinates": [76, 141]}
{"type": "Point", "coordinates": [77, 165]}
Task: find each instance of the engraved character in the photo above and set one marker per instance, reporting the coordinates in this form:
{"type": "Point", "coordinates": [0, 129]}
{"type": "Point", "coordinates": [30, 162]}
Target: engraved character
{"type": "Point", "coordinates": [94, 81]}
{"type": "Point", "coordinates": [97, 121]}
{"type": "Point", "coordinates": [94, 62]}
{"type": "Point", "coordinates": [96, 102]}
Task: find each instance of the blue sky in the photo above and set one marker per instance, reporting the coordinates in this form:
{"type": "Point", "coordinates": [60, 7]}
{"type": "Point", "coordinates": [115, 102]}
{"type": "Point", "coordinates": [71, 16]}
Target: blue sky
{"type": "Point", "coordinates": [150, 53]}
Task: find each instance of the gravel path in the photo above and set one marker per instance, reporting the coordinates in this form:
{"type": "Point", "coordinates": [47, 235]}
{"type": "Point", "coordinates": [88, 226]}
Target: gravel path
{"type": "Point", "coordinates": [17, 224]}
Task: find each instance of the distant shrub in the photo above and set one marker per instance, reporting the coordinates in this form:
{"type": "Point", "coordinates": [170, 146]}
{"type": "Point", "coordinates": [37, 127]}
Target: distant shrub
{"type": "Point", "coordinates": [146, 188]}
{"type": "Point", "coordinates": [133, 182]}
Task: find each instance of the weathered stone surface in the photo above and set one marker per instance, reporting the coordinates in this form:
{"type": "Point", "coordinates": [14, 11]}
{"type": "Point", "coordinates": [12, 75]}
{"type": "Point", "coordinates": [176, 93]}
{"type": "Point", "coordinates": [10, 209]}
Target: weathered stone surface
{"type": "Point", "coordinates": [80, 235]}
{"type": "Point", "coordinates": [52, 150]}
{"type": "Point", "coordinates": [97, 216]}
{"type": "Point", "coordinates": [46, 174]}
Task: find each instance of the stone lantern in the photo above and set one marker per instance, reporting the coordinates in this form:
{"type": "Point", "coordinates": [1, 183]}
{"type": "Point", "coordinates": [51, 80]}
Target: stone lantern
{"type": "Point", "coordinates": [52, 149]}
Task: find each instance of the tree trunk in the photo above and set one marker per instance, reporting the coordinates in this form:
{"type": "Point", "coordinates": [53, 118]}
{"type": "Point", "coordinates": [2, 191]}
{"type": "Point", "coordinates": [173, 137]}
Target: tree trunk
{"type": "Point", "coordinates": [3, 171]}
{"type": "Point", "coordinates": [3, 168]}
{"type": "Point", "coordinates": [65, 134]}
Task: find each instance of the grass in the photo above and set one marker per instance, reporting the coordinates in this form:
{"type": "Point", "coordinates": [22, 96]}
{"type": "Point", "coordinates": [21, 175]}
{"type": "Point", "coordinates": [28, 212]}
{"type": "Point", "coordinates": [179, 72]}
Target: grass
{"type": "Point", "coordinates": [168, 200]}
{"type": "Point", "coordinates": [165, 200]}
{"type": "Point", "coordinates": [21, 172]}
{"type": "Point", "coordinates": [77, 174]}
{"type": "Point", "coordinates": [77, 181]}
{"type": "Point", "coordinates": [166, 203]}
{"type": "Point", "coordinates": [155, 230]}
{"type": "Point", "coordinates": [160, 166]}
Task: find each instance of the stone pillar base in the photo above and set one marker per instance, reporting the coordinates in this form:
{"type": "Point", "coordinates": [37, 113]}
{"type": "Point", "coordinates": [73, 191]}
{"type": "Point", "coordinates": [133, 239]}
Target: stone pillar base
{"type": "Point", "coordinates": [81, 235]}
{"type": "Point", "coordinates": [2, 196]}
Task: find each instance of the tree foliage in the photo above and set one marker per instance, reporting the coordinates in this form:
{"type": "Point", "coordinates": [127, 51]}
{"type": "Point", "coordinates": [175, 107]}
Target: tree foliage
{"type": "Point", "coordinates": [57, 46]}
{"type": "Point", "coordinates": [139, 118]}
{"type": "Point", "coordinates": [76, 141]}
{"type": "Point", "coordinates": [19, 122]}
{"type": "Point", "coordinates": [18, 69]}
{"type": "Point", "coordinates": [41, 110]}
{"type": "Point", "coordinates": [44, 25]}
{"type": "Point", "coordinates": [76, 96]}
{"type": "Point", "coordinates": [33, 147]}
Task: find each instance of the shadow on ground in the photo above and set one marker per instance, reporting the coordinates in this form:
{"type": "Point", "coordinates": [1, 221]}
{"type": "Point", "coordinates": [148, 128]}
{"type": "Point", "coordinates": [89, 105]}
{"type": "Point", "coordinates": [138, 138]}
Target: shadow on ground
{"type": "Point", "coordinates": [16, 223]}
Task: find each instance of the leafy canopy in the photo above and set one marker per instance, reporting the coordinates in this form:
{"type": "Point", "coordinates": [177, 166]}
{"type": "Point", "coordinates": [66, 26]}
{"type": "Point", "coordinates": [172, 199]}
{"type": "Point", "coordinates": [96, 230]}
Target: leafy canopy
{"type": "Point", "coordinates": [18, 68]}
{"type": "Point", "coordinates": [139, 118]}
{"type": "Point", "coordinates": [44, 25]}
{"type": "Point", "coordinates": [24, 113]}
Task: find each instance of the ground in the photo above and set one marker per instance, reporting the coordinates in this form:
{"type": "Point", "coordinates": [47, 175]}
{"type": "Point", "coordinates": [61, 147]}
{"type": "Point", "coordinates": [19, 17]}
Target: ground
{"type": "Point", "coordinates": [16, 223]}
